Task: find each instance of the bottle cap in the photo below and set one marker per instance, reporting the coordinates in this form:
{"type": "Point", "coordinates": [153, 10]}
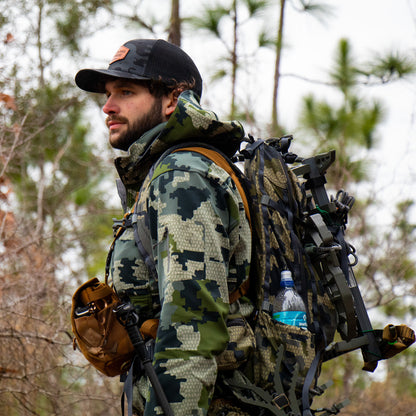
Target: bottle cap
{"type": "Point", "coordinates": [286, 278]}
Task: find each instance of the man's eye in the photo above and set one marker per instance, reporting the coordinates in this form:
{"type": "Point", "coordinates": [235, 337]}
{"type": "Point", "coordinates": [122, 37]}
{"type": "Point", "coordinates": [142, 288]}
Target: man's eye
{"type": "Point", "coordinates": [127, 92]}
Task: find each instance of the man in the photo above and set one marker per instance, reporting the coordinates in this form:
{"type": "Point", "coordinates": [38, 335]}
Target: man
{"type": "Point", "coordinates": [199, 236]}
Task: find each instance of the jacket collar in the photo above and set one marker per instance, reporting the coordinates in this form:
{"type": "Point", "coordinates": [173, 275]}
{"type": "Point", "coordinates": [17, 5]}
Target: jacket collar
{"type": "Point", "coordinates": [189, 122]}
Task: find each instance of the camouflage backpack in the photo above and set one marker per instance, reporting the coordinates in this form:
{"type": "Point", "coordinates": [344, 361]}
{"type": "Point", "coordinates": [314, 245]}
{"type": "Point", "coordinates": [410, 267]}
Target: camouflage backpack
{"type": "Point", "coordinates": [287, 228]}
{"type": "Point", "coordinates": [295, 227]}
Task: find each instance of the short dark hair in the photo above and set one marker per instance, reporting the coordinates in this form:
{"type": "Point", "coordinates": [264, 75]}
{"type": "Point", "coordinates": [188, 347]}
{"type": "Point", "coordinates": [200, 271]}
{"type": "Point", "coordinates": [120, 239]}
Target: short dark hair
{"type": "Point", "coordinates": [159, 88]}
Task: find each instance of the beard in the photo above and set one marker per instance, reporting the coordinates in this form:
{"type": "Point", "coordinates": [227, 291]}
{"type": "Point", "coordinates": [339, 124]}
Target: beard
{"type": "Point", "coordinates": [137, 127]}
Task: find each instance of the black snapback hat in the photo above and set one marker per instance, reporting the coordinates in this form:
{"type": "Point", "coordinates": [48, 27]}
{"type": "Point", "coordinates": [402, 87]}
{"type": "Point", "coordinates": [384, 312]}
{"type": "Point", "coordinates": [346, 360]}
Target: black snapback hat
{"type": "Point", "coordinates": [146, 59]}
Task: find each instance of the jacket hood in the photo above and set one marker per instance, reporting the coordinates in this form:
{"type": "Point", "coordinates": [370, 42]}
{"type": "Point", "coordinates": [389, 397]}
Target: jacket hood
{"type": "Point", "coordinates": [188, 123]}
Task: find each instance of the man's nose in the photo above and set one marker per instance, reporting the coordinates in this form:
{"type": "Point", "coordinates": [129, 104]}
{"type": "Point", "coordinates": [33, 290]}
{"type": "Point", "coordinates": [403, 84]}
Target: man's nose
{"type": "Point", "coordinates": [111, 107]}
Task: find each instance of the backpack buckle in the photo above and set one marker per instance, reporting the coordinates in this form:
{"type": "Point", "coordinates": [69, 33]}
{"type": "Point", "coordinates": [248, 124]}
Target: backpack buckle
{"type": "Point", "coordinates": [281, 401]}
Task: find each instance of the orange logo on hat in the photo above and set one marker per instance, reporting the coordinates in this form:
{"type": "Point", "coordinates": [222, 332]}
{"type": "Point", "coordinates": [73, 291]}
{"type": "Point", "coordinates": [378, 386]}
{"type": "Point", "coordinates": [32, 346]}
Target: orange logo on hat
{"type": "Point", "coordinates": [120, 54]}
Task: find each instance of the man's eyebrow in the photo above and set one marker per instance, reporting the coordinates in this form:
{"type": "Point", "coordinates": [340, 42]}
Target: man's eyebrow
{"type": "Point", "coordinates": [121, 83]}
{"type": "Point", "coordinates": [124, 83]}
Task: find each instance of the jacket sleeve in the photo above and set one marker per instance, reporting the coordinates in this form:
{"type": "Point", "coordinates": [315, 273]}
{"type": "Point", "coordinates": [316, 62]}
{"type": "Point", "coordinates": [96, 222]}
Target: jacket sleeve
{"type": "Point", "coordinates": [191, 217]}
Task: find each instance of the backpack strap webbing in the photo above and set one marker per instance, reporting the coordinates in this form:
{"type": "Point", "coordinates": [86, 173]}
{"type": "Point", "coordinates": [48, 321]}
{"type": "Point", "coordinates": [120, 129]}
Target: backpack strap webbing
{"type": "Point", "coordinates": [223, 163]}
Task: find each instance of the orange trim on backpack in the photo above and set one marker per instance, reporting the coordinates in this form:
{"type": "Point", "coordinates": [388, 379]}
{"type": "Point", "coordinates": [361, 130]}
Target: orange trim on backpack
{"type": "Point", "coordinates": [240, 291]}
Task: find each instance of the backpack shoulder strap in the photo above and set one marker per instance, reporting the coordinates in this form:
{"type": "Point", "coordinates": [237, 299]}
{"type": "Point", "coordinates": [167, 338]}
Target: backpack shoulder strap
{"type": "Point", "coordinates": [223, 163]}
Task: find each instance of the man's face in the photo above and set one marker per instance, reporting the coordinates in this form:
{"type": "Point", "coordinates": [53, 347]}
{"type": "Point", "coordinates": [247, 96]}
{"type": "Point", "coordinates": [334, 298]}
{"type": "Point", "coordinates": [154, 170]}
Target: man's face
{"type": "Point", "coordinates": [131, 111]}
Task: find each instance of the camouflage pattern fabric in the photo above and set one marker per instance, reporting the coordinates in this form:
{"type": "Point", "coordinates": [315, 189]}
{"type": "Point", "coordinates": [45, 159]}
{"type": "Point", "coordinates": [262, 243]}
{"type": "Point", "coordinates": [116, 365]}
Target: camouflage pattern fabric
{"type": "Point", "coordinates": [201, 244]}
{"type": "Point", "coordinates": [221, 407]}
{"type": "Point", "coordinates": [299, 350]}
{"type": "Point", "coordinates": [279, 204]}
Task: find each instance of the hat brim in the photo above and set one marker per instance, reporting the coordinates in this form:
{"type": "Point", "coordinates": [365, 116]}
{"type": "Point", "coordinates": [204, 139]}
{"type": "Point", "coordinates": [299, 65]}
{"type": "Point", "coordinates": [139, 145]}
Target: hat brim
{"type": "Point", "coordinates": [93, 80]}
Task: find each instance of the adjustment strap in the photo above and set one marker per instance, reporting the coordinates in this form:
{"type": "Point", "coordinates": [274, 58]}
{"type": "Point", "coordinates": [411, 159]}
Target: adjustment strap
{"type": "Point", "coordinates": [310, 376]}
{"type": "Point", "coordinates": [127, 391]}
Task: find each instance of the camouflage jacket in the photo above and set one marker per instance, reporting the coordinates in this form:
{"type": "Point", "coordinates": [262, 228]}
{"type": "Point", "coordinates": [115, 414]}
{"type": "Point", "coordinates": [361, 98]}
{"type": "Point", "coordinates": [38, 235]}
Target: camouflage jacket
{"type": "Point", "coordinates": [201, 245]}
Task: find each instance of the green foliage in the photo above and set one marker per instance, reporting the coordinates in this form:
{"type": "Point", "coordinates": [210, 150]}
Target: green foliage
{"type": "Point", "coordinates": [210, 19]}
{"type": "Point", "coordinates": [221, 73]}
{"type": "Point", "coordinates": [349, 127]}
{"type": "Point", "coordinates": [95, 235]}
{"type": "Point", "coordinates": [344, 74]}
{"type": "Point", "coordinates": [402, 218]}
{"type": "Point", "coordinates": [265, 40]}
{"type": "Point", "coordinates": [256, 7]}
{"type": "Point", "coordinates": [68, 28]}
{"type": "Point", "coordinates": [401, 373]}
{"type": "Point", "coordinates": [57, 155]}
{"type": "Point", "coordinates": [386, 269]}
{"type": "Point", "coordinates": [220, 20]}
{"type": "Point", "coordinates": [55, 176]}
{"type": "Point", "coordinates": [390, 67]}
{"type": "Point", "coordinates": [72, 19]}
{"type": "Point", "coordinates": [3, 20]}
{"type": "Point", "coordinates": [320, 10]}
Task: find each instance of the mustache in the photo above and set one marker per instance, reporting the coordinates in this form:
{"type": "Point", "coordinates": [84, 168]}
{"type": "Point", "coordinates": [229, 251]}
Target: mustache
{"type": "Point", "coordinates": [120, 119]}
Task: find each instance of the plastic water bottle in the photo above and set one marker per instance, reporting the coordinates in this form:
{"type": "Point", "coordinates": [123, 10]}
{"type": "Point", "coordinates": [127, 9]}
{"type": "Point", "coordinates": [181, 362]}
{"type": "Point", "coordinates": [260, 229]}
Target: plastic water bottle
{"type": "Point", "coordinates": [288, 306]}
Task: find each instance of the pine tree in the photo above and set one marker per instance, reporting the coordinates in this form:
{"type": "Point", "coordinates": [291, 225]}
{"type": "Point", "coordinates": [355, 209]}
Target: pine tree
{"type": "Point", "coordinates": [51, 180]}
{"type": "Point", "coordinates": [386, 271]}
{"type": "Point", "coordinates": [213, 19]}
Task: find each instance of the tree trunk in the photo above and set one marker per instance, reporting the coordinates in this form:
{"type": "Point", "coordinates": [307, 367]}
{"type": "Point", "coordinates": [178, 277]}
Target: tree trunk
{"type": "Point", "coordinates": [275, 128]}
{"type": "Point", "coordinates": [234, 60]}
{"type": "Point", "coordinates": [175, 24]}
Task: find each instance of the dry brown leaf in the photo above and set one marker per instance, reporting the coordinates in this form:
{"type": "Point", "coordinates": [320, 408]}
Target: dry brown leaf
{"type": "Point", "coordinates": [8, 101]}
{"type": "Point", "coordinates": [9, 38]}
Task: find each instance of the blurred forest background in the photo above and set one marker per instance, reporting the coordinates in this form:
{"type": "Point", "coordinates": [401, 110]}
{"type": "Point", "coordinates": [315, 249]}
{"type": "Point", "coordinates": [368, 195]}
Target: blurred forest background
{"type": "Point", "coordinates": [56, 176]}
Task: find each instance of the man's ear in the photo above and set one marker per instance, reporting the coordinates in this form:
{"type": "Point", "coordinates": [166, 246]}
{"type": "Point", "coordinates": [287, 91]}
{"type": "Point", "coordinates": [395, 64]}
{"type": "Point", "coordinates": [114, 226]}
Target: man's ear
{"type": "Point", "coordinates": [170, 102]}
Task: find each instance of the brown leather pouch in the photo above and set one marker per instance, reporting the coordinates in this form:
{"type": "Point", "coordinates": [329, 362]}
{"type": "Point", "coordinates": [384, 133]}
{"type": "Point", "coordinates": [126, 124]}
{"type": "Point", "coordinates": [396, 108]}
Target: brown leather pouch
{"type": "Point", "coordinates": [99, 335]}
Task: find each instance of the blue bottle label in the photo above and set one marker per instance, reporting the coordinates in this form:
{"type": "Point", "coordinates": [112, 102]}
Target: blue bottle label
{"type": "Point", "coordinates": [294, 318]}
